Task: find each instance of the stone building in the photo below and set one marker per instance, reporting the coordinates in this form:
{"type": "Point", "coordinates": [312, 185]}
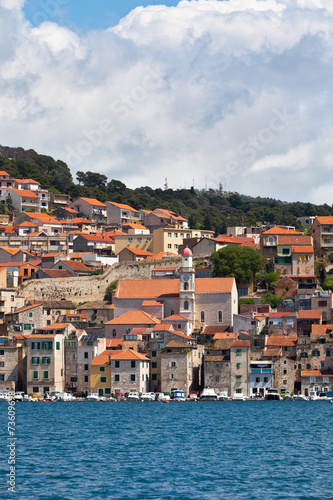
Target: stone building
{"type": "Point", "coordinates": [9, 365]}
{"type": "Point", "coordinates": [129, 372]}
{"type": "Point", "coordinates": [181, 367]}
{"type": "Point", "coordinates": [26, 319]}
{"type": "Point", "coordinates": [122, 325]}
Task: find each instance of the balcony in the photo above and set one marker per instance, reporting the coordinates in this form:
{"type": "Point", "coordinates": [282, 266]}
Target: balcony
{"type": "Point", "coordinates": [282, 260]}
{"type": "Point", "coordinates": [261, 370]}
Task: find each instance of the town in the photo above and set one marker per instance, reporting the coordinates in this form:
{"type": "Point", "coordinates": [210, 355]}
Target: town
{"type": "Point", "coordinates": [100, 299]}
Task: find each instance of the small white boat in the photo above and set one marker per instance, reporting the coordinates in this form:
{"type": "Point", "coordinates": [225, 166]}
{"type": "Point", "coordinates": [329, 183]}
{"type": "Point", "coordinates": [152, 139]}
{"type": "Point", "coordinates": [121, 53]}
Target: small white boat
{"type": "Point", "coordinates": [133, 397]}
{"type": "Point", "coordinates": [223, 396]}
{"type": "Point", "coordinates": [272, 395]}
{"type": "Point", "coordinates": [313, 396]}
{"type": "Point", "coordinates": [300, 397]}
{"type": "Point", "coordinates": [239, 397]}
{"type": "Point", "coordinates": [208, 395]}
{"type": "Point", "coordinates": [147, 396]}
{"type": "Point", "coordinates": [93, 397]}
{"type": "Point", "coordinates": [193, 396]}
{"type": "Point", "coordinates": [163, 397]}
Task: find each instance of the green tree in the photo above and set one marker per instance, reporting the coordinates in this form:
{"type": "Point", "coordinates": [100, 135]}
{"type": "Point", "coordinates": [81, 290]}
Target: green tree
{"type": "Point", "coordinates": [273, 300]}
{"type": "Point", "coordinates": [109, 290]}
{"type": "Point", "coordinates": [271, 279]}
{"type": "Point", "coordinates": [241, 263]}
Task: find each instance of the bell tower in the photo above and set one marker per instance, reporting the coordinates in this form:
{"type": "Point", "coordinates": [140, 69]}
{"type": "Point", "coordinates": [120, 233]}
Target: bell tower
{"type": "Point", "coordinates": [187, 285]}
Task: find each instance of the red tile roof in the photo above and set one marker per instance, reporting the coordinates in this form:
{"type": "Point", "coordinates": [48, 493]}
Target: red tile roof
{"type": "Point", "coordinates": [58, 273]}
{"type": "Point", "coordinates": [316, 373]}
{"type": "Point", "coordinates": [302, 249]}
{"type": "Point", "coordinates": [129, 355]}
{"type": "Point", "coordinates": [92, 201]}
{"type": "Point", "coordinates": [310, 314]}
{"type": "Point", "coordinates": [138, 251]}
{"type": "Point", "coordinates": [26, 193]}
{"type": "Point", "coordinates": [121, 205]}
{"type": "Point", "coordinates": [241, 343]}
{"type": "Point", "coordinates": [134, 317]}
{"type": "Point", "coordinates": [325, 220]}
{"type": "Point", "coordinates": [281, 341]}
{"type": "Point", "coordinates": [280, 230]}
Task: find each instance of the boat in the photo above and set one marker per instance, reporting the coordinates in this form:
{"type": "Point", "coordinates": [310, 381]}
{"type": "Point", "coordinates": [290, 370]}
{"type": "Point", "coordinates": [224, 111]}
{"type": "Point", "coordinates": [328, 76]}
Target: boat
{"type": "Point", "coordinates": [300, 397]}
{"type": "Point", "coordinates": [287, 396]}
{"type": "Point", "coordinates": [208, 395]}
{"type": "Point", "coordinates": [164, 397]}
{"type": "Point", "coordinates": [178, 395]}
{"type": "Point", "coordinates": [193, 396]}
{"type": "Point", "coordinates": [63, 396]}
{"type": "Point", "coordinates": [93, 397]}
{"type": "Point", "coordinates": [313, 396]}
{"type": "Point", "coordinates": [272, 395]}
{"type": "Point", "coordinates": [147, 396]}
{"type": "Point", "coordinates": [133, 397]}
{"type": "Point", "coordinates": [223, 396]}
{"type": "Point", "coordinates": [239, 397]}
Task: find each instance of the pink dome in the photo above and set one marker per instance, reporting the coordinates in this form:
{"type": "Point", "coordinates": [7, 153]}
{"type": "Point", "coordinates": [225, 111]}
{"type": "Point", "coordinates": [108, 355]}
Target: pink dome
{"type": "Point", "coordinates": [187, 252]}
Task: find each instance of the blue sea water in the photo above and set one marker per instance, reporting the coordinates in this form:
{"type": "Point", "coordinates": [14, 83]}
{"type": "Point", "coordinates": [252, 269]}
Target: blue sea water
{"type": "Point", "coordinates": [178, 451]}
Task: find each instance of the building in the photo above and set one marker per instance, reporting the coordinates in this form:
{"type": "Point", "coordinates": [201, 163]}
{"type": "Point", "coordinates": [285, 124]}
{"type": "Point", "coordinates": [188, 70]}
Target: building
{"type": "Point", "coordinates": [45, 364]}
{"type": "Point", "coordinates": [129, 372]}
{"type": "Point", "coordinates": [100, 374]}
{"type": "Point", "coordinates": [322, 233]}
{"type": "Point", "coordinates": [240, 368]}
{"type": "Point", "coordinates": [122, 325]}
{"type": "Point", "coordinates": [91, 209]}
{"type": "Point", "coordinates": [119, 214]}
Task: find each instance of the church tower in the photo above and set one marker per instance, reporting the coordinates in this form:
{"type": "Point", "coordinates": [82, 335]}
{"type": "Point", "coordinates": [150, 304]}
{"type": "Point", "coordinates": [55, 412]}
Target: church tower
{"type": "Point", "coordinates": [187, 285]}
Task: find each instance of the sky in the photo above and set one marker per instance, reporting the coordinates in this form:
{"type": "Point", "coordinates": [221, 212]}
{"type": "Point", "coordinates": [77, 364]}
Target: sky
{"type": "Point", "coordinates": [198, 92]}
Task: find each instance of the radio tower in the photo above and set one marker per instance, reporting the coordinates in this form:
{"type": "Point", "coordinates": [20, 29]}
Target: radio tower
{"type": "Point", "coordinates": [166, 184]}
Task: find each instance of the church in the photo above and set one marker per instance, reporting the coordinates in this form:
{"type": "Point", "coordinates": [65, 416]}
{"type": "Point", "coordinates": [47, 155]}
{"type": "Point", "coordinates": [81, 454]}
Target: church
{"type": "Point", "coordinates": [203, 301]}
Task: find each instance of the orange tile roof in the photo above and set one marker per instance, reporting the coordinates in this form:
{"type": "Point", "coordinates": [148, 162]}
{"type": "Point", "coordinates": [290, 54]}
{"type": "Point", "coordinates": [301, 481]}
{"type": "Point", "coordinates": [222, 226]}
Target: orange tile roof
{"type": "Point", "coordinates": [302, 249]}
{"type": "Point", "coordinates": [26, 308]}
{"type": "Point", "coordinates": [150, 303]}
{"type": "Point", "coordinates": [130, 355]}
{"type": "Point", "coordinates": [316, 373]}
{"type": "Point", "coordinates": [2, 172]}
{"type": "Point", "coordinates": [42, 217]}
{"type": "Point", "coordinates": [225, 335]}
{"type": "Point", "coordinates": [163, 327]}
{"type": "Point", "coordinates": [281, 341]}
{"type": "Point", "coordinates": [93, 201]}
{"type": "Point", "coordinates": [45, 336]}
{"type": "Point", "coordinates": [55, 326]}
{"type": "Point", "coordinates": [272, 351]}
{"type": "Point", "coordinates": [160, 255]}
{"type": "Point", "coordinates": [241, 343]}
{"type": "Point", "coordinates": [137, 251]}
{"type": "Point", "coordinates": [114, 342]}
{"type": "Point", "coordinates": [121, 205]}
{"type": "Point", "coordinates": [25, 193]}
{"type": "Point", "coordinates": [321, 329]}
{"type": "Point", "coordinates": [12, 251]}
{"type": "Point", "coordinates": [57, 273]}
{"type": "Point", "coordinates": [325, 220]}
{"type": "Point", "coordinates": [101, 359]}
{"type": "Point", "coordinates": [280, 230]}
{"type": "Point", "coordinates": [134, 317]}
{"type": "Point", "coordinates": [135, 226]}
{"type": "Point", "coordinates": [214, 285]}
{"type": "Point", "coordinates": [182, 335]}
{"type": "Point", "coordinates": [211, 330]}
{"type": "Point", "coordinates": [29, 181]}
{"type": "Point", "coordinates": [26, 224]}
{"type": "Point", "coordinates": [75, 265]}
{"type": "Point", "coordinates": [310, 314]}
{"type": "Point", "coordinates": [176, 317]}
{"type": "Point", "coordinates": [294, 240]}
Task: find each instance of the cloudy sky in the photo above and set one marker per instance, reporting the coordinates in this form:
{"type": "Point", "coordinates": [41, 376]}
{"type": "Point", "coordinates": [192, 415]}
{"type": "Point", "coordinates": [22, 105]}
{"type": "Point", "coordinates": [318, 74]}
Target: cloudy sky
{"type": "Point", "coordinates": [235, 92]}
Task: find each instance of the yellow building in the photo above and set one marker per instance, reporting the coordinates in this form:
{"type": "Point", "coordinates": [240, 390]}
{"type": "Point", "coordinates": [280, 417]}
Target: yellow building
{"type": "Point", "coordinates": [100, 374]}
{"type": "Point", "coordinates": [168, 239]}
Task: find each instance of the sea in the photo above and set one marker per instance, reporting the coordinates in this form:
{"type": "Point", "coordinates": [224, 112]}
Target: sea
{"type": "Point", "coordinates": [247, 450]}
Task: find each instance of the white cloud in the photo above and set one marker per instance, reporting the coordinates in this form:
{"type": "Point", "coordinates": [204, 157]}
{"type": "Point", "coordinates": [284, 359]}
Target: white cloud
{"type": "Point", "coordinates": [233, 92]}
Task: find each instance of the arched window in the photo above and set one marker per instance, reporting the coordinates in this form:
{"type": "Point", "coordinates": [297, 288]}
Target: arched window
{"type": "Point", "coordinates": [186, 305]}
{"type": "Point", "coordinates": [113, 333]}
{"type": "Point", "coordinates": [220, 317]}
{"type": "Point", "coordinates": [202, 316]}
{"type": "Point", "coordinates": [172, 312]}
{"type": "Point", "coordinates": [186, 285]}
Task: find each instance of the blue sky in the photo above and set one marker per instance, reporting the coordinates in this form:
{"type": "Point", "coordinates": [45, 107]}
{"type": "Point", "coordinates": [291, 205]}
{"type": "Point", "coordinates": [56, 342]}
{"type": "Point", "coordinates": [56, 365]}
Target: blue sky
{"type": "Point", "coordinates": [84, 15]}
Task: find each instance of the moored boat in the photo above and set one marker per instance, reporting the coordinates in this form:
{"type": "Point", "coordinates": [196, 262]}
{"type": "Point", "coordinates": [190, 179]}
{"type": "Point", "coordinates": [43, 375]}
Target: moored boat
{"type": "Point", "coordinates": [208, 395]}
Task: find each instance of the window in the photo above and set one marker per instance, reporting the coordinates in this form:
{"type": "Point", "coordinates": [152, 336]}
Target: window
{"type": "Point", "coordinates": [30, 315]}
{"type": "Point", "coordinates": [132, 378]}
{"type": "Point", "coordinates": [2, 364]}
{"type": "Point", "coordinates": [35, 375]}
{"type": "Point", "coordinates": [308, 366]}
{"type": "Point", "coordinates": [285, 251]}
{"type": "Point", "coordinates": [175, 245]}
{"type": "Point", "coordinates": [35, 389]}
{"type": "Point", "coordinates": [35, 360]}
{"type": "Point", "coordinates": [202, 316]}
{"type": "Point", "coordinates": [328, 352]}
{"type": "Point", "coordinates": [107, 390]}
{"type": "Point", "coordinates": [238, 365]}
{"type": "Point", "coordinates": [154, 376]}
{"type": "Point", "coordinates": [322, 340]}
{"type": "Point", "coordinates": [186, 305]}
{"type": "Point", "coordinates": [217, 378]}
{"type": "Point", "coordinates": [304, 354]}
{"type": "Point", "coordinates": [132, 364]}
{"type": "Point", "coordinates": [257, 379]}
{"type": "Point", "coordinates": [315, 353]}
{"type": "Point", "coordinates": [103, 380]}
{"type": "Point", "coordinates": [169, 235]}
{"type": "Point", "coordinates": [2, 352]}
{"type": "Point", "coordinates": [238, 352]}
{"type": "Point", "coordinates": [153, 354]}
{"type": "Point", "coordinates": [154, 364]}
{"type": "Point", "coordinates": [238, 391]}
{"type": "Point", "coordinates": [27, 326]}
{"type": "Point", "coordinates": [73, 356]}
{"type": "Point", "coordinates": [46, 361]}
{"type": "Point", "coordinates": [117, 364]}
{"type": "Point", "coordinates": [116, 378]}
{"type": "Point", "coordinates": [265, 379]}
{"type": "Point", "coordinates": [312, 380]}
{"type": "Point", "coordinates": [238, 378]}
{"type": "Point", "coordinates": [46, 374]}
{"type": "Point", "coordinates": [173, 364]}
{"type": "Point", "coordinates": [173, 376]}
{"type": "Point", "coordinates": [220, 316]}
{"type": "Point", "coordinates": [86, 378]}
{"type": "Point", "coordinates": [73, 379]}
{"type": "Point", "coordinates": [86, 367]}
{"type": "Point", "coordinates": [284, 372]}
{"type": "Point", "coordinates": [86, 354]}
{"type": "Point", "coordinates": [114, 333]}
{"type": "Point", "coordinates": [299, 367]}
{"type": "Point", "coordinates": [102, 368]}
{"type": "Point", "coordinates": [57, 346]}
{"type": "Point", "coordinates": [169, 245]}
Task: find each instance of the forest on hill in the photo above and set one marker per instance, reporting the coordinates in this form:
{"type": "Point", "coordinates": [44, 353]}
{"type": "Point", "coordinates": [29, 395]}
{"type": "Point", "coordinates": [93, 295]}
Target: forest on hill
{"type": "Point", "coordinates": [206, 209]}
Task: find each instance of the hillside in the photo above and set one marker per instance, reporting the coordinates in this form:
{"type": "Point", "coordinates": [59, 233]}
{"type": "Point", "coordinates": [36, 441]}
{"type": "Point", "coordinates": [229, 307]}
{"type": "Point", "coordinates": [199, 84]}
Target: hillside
{"type": "Point", "coordinates": [210, 209]}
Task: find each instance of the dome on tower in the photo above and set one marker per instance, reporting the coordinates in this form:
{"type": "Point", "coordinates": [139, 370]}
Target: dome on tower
{"type": "Point", "coordinates": [187, 252]}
